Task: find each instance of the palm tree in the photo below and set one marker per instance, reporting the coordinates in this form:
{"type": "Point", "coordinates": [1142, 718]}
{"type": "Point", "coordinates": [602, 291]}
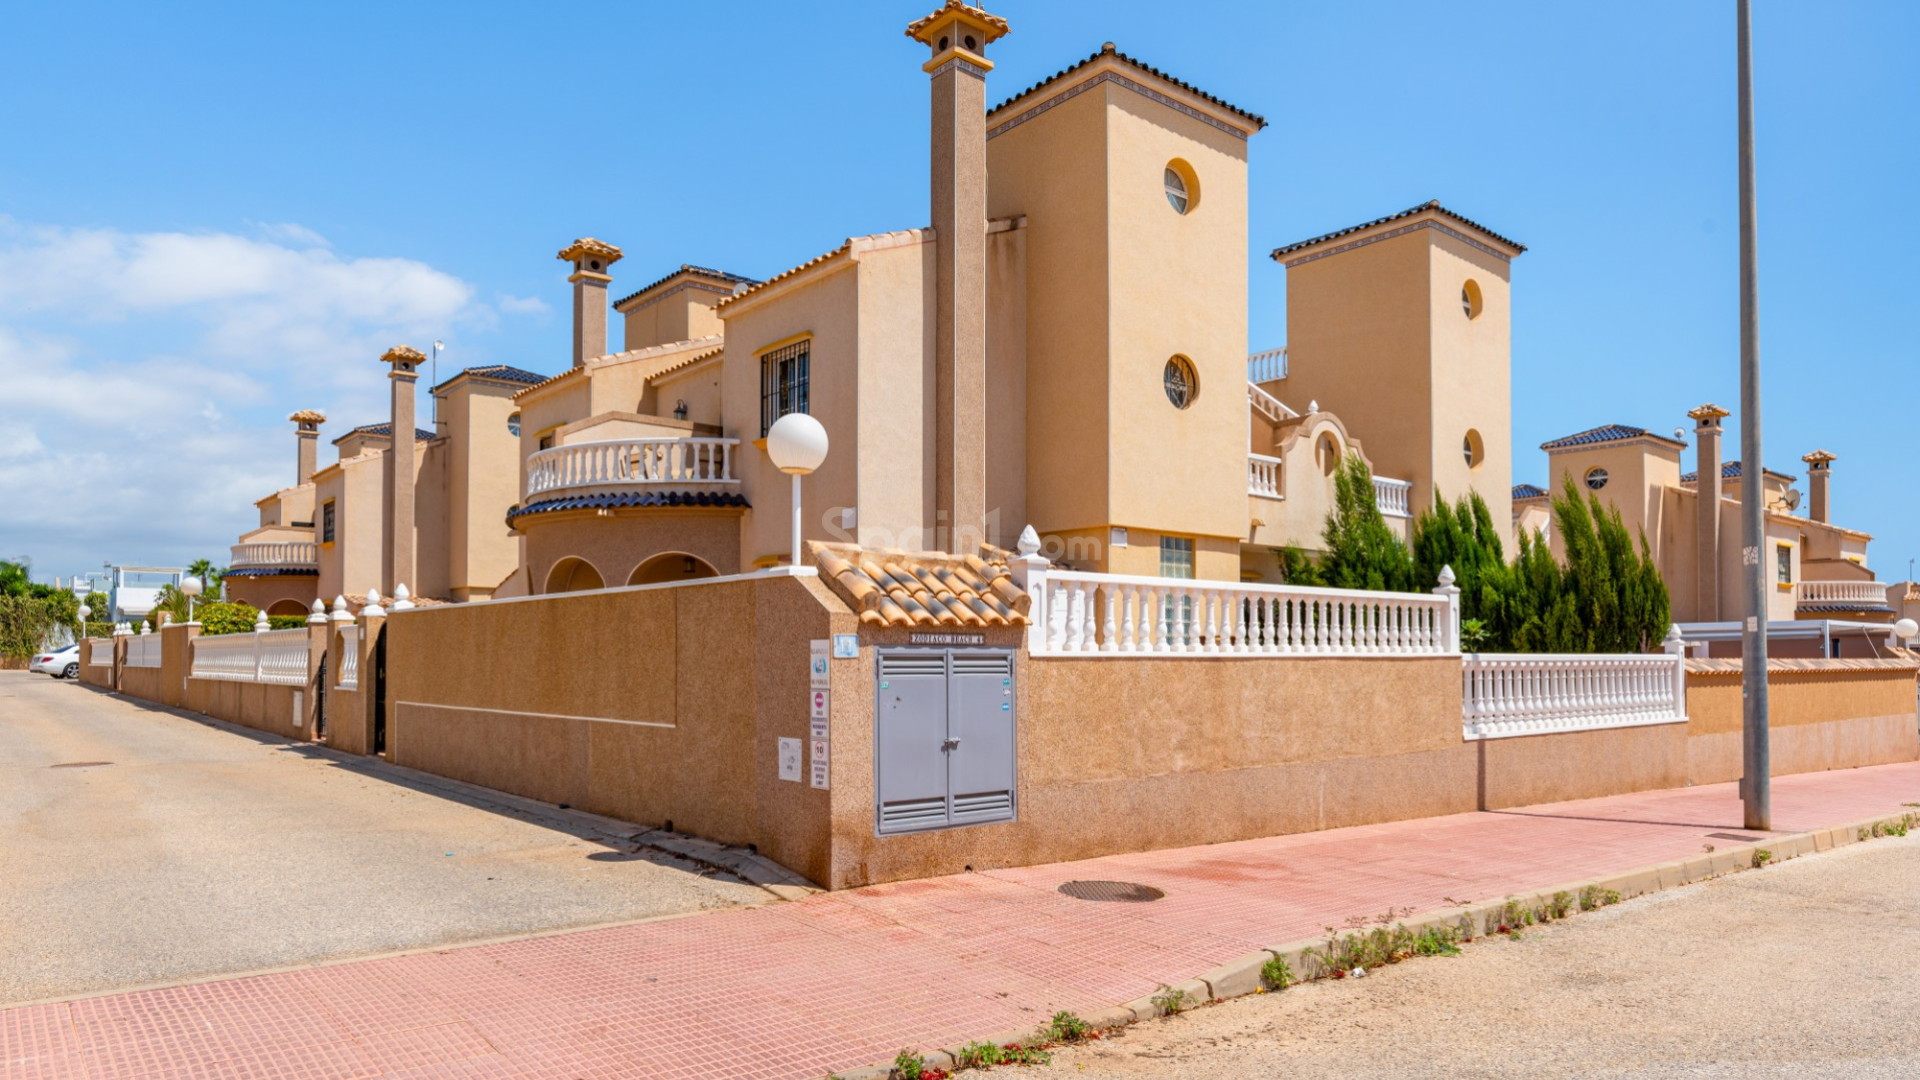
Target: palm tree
{"type": "Point", "coordinates": [209, 576]}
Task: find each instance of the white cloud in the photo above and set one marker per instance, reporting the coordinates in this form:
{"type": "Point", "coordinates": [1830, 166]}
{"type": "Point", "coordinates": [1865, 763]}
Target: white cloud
{"type": "Point", "coordinates": [144, 377]}
{"type": "Point", "coordinates": [286, 232]}
{"type": "Point", "coordinates": [522, 305]}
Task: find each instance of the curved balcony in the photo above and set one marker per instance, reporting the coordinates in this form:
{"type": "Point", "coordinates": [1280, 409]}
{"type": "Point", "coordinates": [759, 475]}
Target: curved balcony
{"type": "Point", "coordinates": [628, 464]}
{"type": "Point", "coordinates": [279, 557]}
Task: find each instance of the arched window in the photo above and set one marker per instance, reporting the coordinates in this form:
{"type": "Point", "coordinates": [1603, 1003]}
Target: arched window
{"type": "Point", "coordinates": [573, 574]}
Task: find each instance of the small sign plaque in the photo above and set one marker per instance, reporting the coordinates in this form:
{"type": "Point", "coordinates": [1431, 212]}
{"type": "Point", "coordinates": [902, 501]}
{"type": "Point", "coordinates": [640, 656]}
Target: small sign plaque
{"type": "Point", "coordinates": [818, 699]}
{"type": "Point", "coordinates": [790, 760]}
{"type": "Point", "coordinates": [817, 729]}
{"type": "Point", "coordinates": [819, 750]}
{"type": "Point", "coordinates": [946, 639]}
{"type": "Point", "coordinates": [817, 663]}
{"type": "Point", "coordinates": [846, 646]}
{"type": "Point", "coordinates": [820, 773]}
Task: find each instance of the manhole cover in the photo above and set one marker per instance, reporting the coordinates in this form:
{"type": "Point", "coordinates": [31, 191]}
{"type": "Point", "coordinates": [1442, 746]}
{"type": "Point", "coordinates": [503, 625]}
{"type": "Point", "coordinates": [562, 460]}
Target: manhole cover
{"type": "Point", "coordinates": [79, 764]}
{"type": "Point", "coordinates": [1124, 892]}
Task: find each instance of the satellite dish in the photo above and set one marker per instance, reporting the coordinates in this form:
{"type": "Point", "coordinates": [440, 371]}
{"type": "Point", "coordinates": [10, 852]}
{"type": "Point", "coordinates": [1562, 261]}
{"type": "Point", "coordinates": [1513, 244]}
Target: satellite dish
{"type": "Point", "coordinates": [1791, 498]}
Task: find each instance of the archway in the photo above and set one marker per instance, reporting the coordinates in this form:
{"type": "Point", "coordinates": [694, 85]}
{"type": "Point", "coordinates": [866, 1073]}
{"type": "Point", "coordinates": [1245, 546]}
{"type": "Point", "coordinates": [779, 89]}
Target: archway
{"type": "Point", "coordinates": [288, 607]}
{"type": "Point", "coordinates": [669, 566]}
{"type": "Point", "coordinates": [573, 574]}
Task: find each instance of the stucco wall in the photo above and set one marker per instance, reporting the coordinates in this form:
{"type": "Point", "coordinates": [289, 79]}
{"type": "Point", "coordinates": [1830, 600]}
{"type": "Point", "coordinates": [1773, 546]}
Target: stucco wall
{"type": "Point", "coordinates": [666, 730]}
{"type": "Point", "coordinates": [260, 706]}
{"type": "Point", "coordinates": [1132, 755]}
{"type": "Point", "coordinates": [265, 591]}
{"type": "Point", "coordinates": [616, 546]}
{"type": "Point", "coordinates": [1822, 715]}
{"type": "Point", "coordinates": [1580, 764]}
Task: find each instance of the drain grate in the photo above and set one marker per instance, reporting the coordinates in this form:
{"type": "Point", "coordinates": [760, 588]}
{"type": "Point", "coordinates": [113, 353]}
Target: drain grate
{"type": "Point", "coordinates": [1121, 892]}
{"type": "Point", "coordinates": [79, 764]}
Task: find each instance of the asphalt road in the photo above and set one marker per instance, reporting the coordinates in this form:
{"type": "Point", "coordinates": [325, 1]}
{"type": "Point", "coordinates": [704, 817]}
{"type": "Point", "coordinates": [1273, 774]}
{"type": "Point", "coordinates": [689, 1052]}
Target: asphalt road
{"type": "Point", "coordinates": [1806, 969]}
{"type": "Point", "coordinates": [195, 849]}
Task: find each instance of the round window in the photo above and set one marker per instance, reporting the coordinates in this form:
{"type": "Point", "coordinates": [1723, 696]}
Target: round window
{"type": "Point", "coordinates": [1183, 188]}
{"type": "Point", "coordinates": [513, 425]}
{"type": "Point", "coordinates": [1182, 382]}
{"type": "Point", "coordinates": [1596, 478]}
{"type": "Point", "coordinates": [1470, 299]}
{"type": "Point", "coordinates": [1473, 449]}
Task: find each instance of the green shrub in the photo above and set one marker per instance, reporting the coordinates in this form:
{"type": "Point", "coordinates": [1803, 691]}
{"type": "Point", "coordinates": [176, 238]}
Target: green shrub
{"type": "Point", "coordinates": [225, 617]}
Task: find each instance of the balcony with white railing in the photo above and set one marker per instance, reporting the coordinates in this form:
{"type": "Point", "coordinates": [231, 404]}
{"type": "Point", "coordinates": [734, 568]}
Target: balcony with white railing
{"type": "Point", "coordinates": [614, 465]}
{"type": "Point", "coordinates": [1392, 496]}
{"type": "Point", "coordinates": [278, 555]}
{"type": "Point", "coordinates": [1263, 476]}
{"type": "Point", "coordinates": [1840, 595]}
{"type": "Point", "coordinates": [349, 665]}
{"type": "Point", "coordinates": [1267, 366]}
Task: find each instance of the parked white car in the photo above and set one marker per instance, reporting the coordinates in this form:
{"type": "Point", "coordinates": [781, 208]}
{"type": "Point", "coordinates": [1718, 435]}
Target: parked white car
{"type": "Point", "coordinates": [60, 663]}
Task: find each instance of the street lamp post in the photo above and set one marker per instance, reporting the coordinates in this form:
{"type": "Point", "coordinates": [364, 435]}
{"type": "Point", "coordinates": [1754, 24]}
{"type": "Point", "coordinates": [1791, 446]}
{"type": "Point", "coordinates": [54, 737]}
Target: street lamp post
{"type": "Point", "coordinates": [190, 587]}
{"type": "Point", "coordinates": [1756, 792]}
{"type": "Point", "coordinates": [83, 613]}
{"type": "Point", "coordinates": [797, 444]}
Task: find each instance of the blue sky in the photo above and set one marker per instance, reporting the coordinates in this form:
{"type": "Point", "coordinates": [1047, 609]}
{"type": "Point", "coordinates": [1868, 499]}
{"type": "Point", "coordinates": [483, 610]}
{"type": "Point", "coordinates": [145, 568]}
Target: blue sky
{"type": "Point", "coordinates": [211, 215]}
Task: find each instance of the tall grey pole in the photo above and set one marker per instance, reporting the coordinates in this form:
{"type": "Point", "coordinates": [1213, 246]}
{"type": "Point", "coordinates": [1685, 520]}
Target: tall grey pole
{"type": "Point", "coordinates": [1756, 792]}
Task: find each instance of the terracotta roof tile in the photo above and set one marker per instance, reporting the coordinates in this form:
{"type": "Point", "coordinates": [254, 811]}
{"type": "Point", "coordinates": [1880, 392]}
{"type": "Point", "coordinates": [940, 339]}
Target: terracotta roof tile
{"type": "Point", "coordinates": [1108, 49]}
{"type": "Point", "coordinates": [924, 588]}
{"type": "Point", "coordinates": [690, 270]}
{"type": "Point", "coordinates": [1431, 204]}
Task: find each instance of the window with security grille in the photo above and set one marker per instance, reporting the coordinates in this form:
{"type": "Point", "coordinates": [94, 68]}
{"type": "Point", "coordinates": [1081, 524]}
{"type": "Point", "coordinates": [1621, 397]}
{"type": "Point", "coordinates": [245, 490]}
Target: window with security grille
{"type": "Point", "coordinates": [326, 522]}
{"type": "Point", "coordinates": [783, 382]}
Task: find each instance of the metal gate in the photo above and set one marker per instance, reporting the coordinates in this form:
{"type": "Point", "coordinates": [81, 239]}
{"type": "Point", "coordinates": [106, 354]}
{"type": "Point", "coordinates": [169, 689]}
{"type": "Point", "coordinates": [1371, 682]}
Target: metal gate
{"type": "Point", "coordinates": [944, 739]}
{"type": "Point", "coordinates": [320, 702]}
{"type": "Point", "coordinates": [380, 692]}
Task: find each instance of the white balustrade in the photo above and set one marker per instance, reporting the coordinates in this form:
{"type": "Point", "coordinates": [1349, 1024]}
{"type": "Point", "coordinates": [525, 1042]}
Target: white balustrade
{"type": "Point", "coordinates": [1872, 593]}
{"type": "Point", "coordinates": [143, 650]}
{"type": "Point", "coordinates": [616, 463]}
{"type": "Point", "coordinates": [100, 652]}
{"type": "Point", "coordinates": [1267, 366]}
{"type": "Point", "coordinates": [1269, 406]}
{"type": "Point", "coordinates": [1509, 694]}
{"type": "Point", "coordinates": [263, 656]}
{"type": "Point", "coordinates": [349, 664]}
{"type": "Point", "coordinates": [1263, 476]}
{"type": "Point", "coordinates": [279, 553]}
{"type": "Point", "coordinates": [1392, 496]}
{"type": "Point", "coordinates": [1085, 614]}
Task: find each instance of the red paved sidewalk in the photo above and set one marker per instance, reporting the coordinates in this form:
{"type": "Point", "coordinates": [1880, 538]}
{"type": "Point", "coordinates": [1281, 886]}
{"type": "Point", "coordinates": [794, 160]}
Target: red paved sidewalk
{"type": "Point", "coordinates": [843, 980]}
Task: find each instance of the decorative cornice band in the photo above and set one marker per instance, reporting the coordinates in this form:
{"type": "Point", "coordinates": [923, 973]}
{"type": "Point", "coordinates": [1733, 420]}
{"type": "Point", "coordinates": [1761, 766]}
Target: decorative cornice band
{"type": "Point", "coordinates": [1401, 231]}
{"type": "Point", "coordinates": [1120, 80]}
{"type": "Point", "coordinates": [963, 64]}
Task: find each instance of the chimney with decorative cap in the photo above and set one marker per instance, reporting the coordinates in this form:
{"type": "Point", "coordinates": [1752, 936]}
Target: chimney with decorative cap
{"type": "Point", "coordinates": [307, 430]}
{"type": "Point", "coordinates": [396, 561]}
{"type": "Point", "coordinates": [1819, 486]}
{"type": "Point", "coordinates": [592, 271]}
{"type": "Point", "coordinates": [957, 35]}
{"type": "Point", "coordinates": [1706, 438]}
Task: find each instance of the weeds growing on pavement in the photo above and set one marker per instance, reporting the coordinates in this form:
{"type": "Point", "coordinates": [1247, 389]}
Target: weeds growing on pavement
{"type": "Point", "coordinates": [1761, 857]}
{"type": "Point", "coordinates": [1593, 896]}
{"type": "Point", "coordinates": [1172, 1000]}
{"type": "Point", "coordinates": [910, 1064]}
{"type": "Point", "coordinates": [1275, 975]}
{"type": "Point", "coordinates": [1560, 905]}
{"type": "Point", "coordinates": [1067, 1028]}
{"type": "Point", "coordinates": [980, 1055]}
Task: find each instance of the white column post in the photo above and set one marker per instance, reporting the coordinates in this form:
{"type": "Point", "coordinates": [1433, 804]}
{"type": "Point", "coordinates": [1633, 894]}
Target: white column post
{"type": "Point", "coordinates": [260, 626]}
{"type": "Point", "coordinates": [796, 521]}
{"type": "Point", "coordinates": [1677, 649]}
{"type": "Point", "coordinates": [1450, 631]}
{"type": "Point", "coordinates": [1029, 569]}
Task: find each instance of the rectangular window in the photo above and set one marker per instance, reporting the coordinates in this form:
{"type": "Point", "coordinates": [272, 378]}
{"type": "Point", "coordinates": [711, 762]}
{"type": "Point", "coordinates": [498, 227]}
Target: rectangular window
{"type": "Point", "coordinates": [1783, 557]}
{"type": "Point", "coordinates": [783, 383]}
{"type": "Point", "coordinates": [326, 522]}
{"type": "Point", "coordinates": [1176, 557]}
{"type": "Point", "coordinates": [546, 441]}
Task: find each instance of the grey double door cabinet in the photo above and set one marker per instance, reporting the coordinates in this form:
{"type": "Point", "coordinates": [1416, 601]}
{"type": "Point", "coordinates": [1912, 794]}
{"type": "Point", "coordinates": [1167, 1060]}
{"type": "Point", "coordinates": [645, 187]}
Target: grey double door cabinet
{"type": "Point", "coordinates": [944, 744]}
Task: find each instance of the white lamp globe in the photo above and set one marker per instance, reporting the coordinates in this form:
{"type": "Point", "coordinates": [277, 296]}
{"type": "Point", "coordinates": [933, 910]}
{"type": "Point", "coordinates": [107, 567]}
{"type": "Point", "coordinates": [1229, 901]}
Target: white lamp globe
{"type": "Point", "coordinates": [1906, 628]}
{"type": "Point", "coordinates": [84, 612]}
{"type": "Point", "coordinates": [797, 444]}
{"type": "Point", "coordinates": [190, 586]}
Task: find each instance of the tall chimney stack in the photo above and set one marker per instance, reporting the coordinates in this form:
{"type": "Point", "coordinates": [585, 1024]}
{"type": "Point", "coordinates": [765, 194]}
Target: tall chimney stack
{"type": "Point", "coordinates": [396, 562]}
{"type": "Point", "coordinates": [1706, 438]}
{"type": "Point", "coordinates": [958, 35]}
{"type": "Point", "coordinates": [592, 271]}
{"type": "Point", "coordinates": [307, 430]}
{"type": "Point", "coordinates": [1819, 481]}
